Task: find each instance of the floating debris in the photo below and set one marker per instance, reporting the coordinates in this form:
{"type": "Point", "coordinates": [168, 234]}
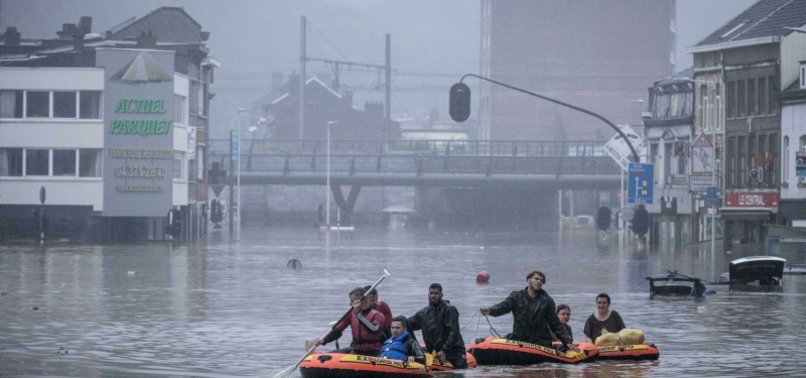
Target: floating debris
{"type": "Point", "coordinates": [294, 264]}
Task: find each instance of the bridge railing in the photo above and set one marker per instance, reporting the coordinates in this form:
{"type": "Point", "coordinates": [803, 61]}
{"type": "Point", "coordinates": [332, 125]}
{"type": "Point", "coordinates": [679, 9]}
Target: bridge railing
{"type": "Point", "coordinates": [414, 147]}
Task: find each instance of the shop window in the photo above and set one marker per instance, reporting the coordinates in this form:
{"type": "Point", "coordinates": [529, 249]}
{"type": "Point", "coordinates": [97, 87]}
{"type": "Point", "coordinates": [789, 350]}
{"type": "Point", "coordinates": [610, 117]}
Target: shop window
{"type": "Point", "coordinates": [10, 161]}
{"type": "Point", "coordinates": [179, 158]}
{"type": "Point", "coordinates": [89, 163]}
{"type": "Point", "coordinates": [64, 104]}
{"type": "Point", "coordinates": [38, 104]}
{"type": "Point", "coordinates": [90, 104]}
{"type": "Point", "coordinates": [11, 104]}
{"type": "Point", "coordinates": [64, 162]}
{"type": "Point", "coordinates": [36, 162]}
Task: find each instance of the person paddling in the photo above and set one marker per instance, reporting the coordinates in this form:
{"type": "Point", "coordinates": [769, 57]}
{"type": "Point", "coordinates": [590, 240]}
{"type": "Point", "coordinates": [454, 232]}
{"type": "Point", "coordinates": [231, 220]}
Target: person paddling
{"type": "Point", "coordinates": [365, 323]}
{"type": "Point", "coordinates": [381, 306]}
{"type": "Point", "coordinates": [401, 346]}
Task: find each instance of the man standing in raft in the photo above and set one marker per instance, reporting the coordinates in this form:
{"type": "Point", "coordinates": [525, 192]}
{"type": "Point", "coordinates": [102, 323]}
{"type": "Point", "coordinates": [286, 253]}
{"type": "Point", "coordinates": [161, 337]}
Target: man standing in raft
{"type": "Point", "coordinates": [534, 314]}
{"type": "Point", "coordinates": [365, 323]}
{"type": "Point", "coordinates": [439, 322]}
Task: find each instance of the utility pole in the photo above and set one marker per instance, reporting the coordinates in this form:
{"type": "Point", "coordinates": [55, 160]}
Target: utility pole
{"type": "Point", "coordinates": [388, 103]}
{"type": "Point", "coordinates": [302, 58]}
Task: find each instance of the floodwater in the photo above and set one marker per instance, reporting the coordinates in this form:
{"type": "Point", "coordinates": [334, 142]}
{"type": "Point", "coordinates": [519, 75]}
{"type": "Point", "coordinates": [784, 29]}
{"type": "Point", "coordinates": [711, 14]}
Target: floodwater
{"type": "Point", "coordinates": [226, 309]}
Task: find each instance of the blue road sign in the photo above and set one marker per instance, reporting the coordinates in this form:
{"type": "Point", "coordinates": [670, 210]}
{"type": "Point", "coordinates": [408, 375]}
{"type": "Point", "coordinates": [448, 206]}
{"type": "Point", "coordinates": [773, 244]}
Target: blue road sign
{"type": "Point", "coordinates": [640, 183]}
{"type": "Point", "coordinates": [711, 198]}
{"type": "Point", "coordinates": [233, 145]}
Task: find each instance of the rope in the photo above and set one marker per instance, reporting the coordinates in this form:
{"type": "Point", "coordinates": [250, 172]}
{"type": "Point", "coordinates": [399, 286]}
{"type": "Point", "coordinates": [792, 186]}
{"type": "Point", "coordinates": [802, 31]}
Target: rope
{"type": "Point", "coordinates": [492, 329]}
{"type": "Point", "coordinates": [468, 322]}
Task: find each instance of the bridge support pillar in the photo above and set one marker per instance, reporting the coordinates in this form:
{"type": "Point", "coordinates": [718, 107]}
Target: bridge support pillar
{"type": "Point", "coordinates": [345, 207]}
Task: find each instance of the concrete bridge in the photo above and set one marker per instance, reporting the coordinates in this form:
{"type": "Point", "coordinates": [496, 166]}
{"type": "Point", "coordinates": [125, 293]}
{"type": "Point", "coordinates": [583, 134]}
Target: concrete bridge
{"type": "Point", "coordinates": [534, 165]}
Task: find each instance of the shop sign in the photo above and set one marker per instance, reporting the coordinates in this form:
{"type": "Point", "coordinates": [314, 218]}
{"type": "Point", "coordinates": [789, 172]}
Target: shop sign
{"type": "Point", "coordinates": [751, 199]}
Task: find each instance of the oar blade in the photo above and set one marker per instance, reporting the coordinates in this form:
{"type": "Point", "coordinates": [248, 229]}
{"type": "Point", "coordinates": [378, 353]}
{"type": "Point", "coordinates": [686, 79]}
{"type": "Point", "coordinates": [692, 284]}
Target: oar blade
{"type": "Point", "coordinates": [285, 373]}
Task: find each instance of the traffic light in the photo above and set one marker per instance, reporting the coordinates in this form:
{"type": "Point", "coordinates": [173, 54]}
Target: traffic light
{"type": "Point", "coordinates": [459, 102]}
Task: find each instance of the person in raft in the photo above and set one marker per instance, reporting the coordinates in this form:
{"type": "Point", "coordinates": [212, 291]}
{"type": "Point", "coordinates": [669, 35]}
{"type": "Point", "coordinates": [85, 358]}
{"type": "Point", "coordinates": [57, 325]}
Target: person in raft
{"type": "Point", "coordinates": [365, 323]}
{"type": "Point", "coordinates": [401, 346]}
{"type": "Point", "coordinates": [381, 306]}
{"type": "Point", "coordinates": [564, 314]}
{"type": "Point", "coordinates": [534, 314]}
{"type": "Point", "coordinates": [603, 318]}
{"type": "Point", "coordinates": [439, 322]}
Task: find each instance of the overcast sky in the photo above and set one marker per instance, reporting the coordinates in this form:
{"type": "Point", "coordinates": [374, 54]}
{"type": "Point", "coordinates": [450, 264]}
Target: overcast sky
{"type": "Point", "coordinates": [438, 41]}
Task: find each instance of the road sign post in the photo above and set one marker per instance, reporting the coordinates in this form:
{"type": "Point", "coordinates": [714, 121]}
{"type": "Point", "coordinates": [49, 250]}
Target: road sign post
{"type": "Point", "coordinates": [640, 183]}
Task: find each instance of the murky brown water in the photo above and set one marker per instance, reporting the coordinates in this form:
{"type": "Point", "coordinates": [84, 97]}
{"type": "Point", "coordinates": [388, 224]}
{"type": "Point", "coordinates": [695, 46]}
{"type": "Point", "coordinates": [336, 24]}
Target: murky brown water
{"type": "Point", "coordinates": [221, 310]}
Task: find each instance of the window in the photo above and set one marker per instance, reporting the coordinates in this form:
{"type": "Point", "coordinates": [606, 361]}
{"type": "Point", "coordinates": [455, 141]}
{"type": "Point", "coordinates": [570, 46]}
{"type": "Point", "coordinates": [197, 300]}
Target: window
{"type": "Point", "coordinates": [89, 163]}
{"type": "Point", "coordinates": [10, 161]}
{"type": "Point", "coordinates": [773, 103]}
{"type": "Point", "coordinates": [751, 96]}
{"type": "Point", "coordinates": [179, 110]}
{"type": "Point", "coordinates": [38, 104]}
{"type": "Point", "coordinates": [741, 101]}
{"type": "Point", "coordinates": [179, 158]}
{"type": "Point", "coordinates": [785, 161]}
{"type": "Point", "coordinates": [36, 162]}
{"type": "Point", "coordinates": [730, 96]}
{"type": "Point", "coordinates": [11, 104]}
{"type": "Point", "coordinates": [90, 104]}
{"type": "Point", "coordinates": [772, 161]}
{"type": "Point", "coordinates": [742, 146]}
{"type": "Point", "coordinates": [64, 104]}
{"type": "Point", "coordinates": [64, 162]}
{"type": "Point", "coordinates": [763, 107]}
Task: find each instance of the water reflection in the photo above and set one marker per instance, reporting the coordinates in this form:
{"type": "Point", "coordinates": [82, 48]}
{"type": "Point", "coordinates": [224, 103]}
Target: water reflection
{"type": "Point", "coordinates": [222, 309]}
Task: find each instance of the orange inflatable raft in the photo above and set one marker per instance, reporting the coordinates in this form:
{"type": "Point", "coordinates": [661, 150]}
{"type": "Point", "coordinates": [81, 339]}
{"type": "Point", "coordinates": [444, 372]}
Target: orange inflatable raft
{"type": "Point", "coordinates": [496, 351]}
{"type": "Point", "coordinates": [637, 352]}
{"type": "Point", "coordinates": [340, 365]}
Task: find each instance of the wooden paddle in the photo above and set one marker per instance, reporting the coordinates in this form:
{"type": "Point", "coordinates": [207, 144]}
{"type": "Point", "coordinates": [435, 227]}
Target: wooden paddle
{"type": "Point", "coordinates": [285, 373]}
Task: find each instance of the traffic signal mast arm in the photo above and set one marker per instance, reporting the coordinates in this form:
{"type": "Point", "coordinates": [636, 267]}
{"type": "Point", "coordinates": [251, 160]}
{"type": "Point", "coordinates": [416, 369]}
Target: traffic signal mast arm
{"type": "Point", "coordinates": [558, 102]}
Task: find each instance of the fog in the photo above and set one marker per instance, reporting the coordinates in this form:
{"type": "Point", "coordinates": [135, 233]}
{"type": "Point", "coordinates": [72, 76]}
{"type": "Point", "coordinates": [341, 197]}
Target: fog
{"type": "Point", "coordinates": [433, 42]}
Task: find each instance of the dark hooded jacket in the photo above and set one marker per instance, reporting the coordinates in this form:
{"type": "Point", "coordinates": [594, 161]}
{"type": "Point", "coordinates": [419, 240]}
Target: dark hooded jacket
{"type": "Point", "coordinates": [440, 327]}
{"type": "Point", "coordinates": [533, 318]}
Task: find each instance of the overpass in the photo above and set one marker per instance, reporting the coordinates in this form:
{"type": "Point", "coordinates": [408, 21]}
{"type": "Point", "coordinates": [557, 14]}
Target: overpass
{"type": "Point", "coordinates": [543, 165]}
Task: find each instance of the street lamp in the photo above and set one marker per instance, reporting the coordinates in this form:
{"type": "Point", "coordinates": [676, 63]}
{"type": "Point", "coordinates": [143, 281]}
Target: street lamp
{"type": "Point", "coordinates": [327, 178]}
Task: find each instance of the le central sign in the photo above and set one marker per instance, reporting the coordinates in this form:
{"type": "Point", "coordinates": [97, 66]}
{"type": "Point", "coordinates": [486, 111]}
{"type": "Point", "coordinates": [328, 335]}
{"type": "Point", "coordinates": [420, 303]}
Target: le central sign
{"type": "Point", "coordinates": [751, 200]}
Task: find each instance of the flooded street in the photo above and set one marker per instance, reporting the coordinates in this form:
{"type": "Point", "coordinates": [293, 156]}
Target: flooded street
{"type": "Point", "coordinates": [222, 309]}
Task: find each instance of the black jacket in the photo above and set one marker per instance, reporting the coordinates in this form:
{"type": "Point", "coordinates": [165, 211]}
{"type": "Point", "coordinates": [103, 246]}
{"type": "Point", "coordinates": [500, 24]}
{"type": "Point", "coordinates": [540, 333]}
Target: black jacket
{"type": "Point", "coordinates": [533, 318]}
{"type": "Point", "coordinates": [440, 327]}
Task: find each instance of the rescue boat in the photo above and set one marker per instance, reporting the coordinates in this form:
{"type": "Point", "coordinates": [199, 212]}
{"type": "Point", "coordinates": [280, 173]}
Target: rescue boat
{"type": "Point", "coordinates": [340, 365]}
{"type": "Point", "coordinates": [637, 352]}
{"type": "Point", "coordinates": [497, 351]}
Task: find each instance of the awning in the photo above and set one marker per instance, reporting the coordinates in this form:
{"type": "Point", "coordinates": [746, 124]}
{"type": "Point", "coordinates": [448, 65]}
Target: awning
{"type": "Point", "coordinates": [748, 215]}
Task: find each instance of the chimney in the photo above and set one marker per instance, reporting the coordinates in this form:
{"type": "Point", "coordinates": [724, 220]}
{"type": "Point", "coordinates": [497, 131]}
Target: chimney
{"type": "Point", "coordinates": [67, 32]}
{"type": "Point", "coordinates": [12, 36]}
{"type": "Point", "coordinates": [78, 42]}
{"type": "Point", "coordinates": [85, 25]}
{"type": "Point", "coordinates": [146, 41]}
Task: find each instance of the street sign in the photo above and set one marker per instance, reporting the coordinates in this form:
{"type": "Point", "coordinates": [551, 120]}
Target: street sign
{"type": "Point", "coordinates": [711, 198]}
{"type": "Point", "coordinates": [619, 150]}
{"type": "Point", "coordinates": [640, 183]}
{"type": "Point", "coordinates": [233, 145]}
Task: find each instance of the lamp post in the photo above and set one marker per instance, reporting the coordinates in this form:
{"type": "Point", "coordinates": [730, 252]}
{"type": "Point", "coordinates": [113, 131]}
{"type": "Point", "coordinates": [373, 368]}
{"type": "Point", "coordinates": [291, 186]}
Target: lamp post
{"type": "Point", "coordinates": [327, 176]}
{"type": "Point", "coordinates": [235, 152]}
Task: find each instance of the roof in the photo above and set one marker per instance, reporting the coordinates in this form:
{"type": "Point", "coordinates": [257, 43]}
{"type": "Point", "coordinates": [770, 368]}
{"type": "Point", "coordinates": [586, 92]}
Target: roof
{"type": "Point", "coordinates": [169, 24]}
{"type": "Point", "coordinates": [762, 22]}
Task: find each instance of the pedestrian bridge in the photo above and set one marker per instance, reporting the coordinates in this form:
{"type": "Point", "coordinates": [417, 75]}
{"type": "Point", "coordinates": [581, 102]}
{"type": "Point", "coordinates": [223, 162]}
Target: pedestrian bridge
{"type": "Point", "coordinates": [566, 165]}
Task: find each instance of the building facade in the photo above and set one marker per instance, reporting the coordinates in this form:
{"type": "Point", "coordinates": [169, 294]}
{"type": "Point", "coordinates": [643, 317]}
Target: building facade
{"type": "Point", "coordinates": [103, 127]}
{"type": "Point", "coordinates": [746, 64]}
{"type": "Point", "coordinates": [596, 55]}
{"type": "Point", "coordinates": [667, 134]}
